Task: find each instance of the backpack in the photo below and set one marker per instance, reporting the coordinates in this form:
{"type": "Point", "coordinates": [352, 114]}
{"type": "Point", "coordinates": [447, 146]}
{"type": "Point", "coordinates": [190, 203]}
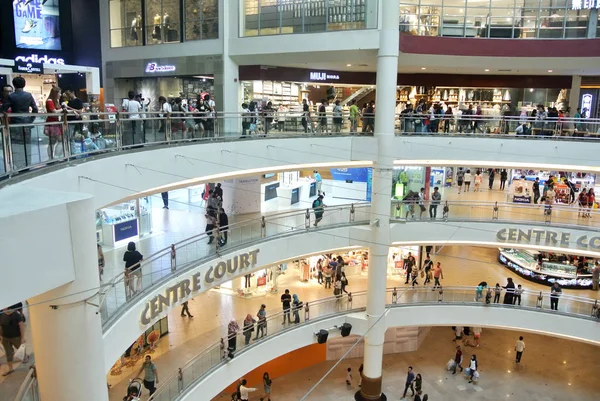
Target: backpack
{"type": "Point", "coordinates": [316, 203]}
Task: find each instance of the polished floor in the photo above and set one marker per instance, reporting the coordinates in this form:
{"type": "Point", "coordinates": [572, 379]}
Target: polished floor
{"type": "Point", "coordinates": [550, 370]}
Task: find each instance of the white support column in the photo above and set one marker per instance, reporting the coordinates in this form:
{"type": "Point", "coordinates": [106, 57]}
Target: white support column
{"type": "Point", "coordinates": [574, 93]}
{"type": "Point", "coordinates": [66, 331]}
{"type": "Point", "coordinates": [387, 75]}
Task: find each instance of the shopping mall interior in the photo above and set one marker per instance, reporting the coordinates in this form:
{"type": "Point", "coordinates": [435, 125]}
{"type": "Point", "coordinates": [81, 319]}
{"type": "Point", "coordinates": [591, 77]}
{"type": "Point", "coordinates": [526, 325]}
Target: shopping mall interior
{"type": "Point", "coordinates": [299, 199]}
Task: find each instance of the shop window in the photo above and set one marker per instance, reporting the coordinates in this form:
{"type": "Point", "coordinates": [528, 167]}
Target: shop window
{"type": "Point", "coordinates": [453, 23]}
{"type": "Point", "coordinates": [429, 19]}
{"type": "Point", "coordinates": [125, 23]}
{"type": "Point", "coordinates": [162, 21]}
{"type": "Point", "coordinates": [409, 19]}
{"type": "Point", "coordinates": [501, 24]}
{"type": "Point", "coordinates": [576, 24]}
{"type": "Point", "coordinates": [201, 19]}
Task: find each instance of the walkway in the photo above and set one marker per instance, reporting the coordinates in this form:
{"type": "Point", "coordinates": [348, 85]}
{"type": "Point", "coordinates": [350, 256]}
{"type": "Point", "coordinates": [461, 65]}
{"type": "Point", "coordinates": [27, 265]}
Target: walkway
{"type": "Point", "coordinates": [465, 266]}
{"type": "Point", "coordinates": [551, 370]}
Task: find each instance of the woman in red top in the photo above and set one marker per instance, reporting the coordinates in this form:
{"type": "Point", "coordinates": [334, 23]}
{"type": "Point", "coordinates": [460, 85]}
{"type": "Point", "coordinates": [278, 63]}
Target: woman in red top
{"type": "Point", "coordinates": [583, 201]}
{"type": "Point", "coordinates": [591, 202]}
{"type": "Point", "coordinates": [54, 131]}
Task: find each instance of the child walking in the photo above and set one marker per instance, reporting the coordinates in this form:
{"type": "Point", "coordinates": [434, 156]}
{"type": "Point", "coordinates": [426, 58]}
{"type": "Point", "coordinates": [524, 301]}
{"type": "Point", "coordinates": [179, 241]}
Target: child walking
{"type": "Point", "coordinates": [349, 377]}
{"type": "Point", "coordinates": [497, 291]}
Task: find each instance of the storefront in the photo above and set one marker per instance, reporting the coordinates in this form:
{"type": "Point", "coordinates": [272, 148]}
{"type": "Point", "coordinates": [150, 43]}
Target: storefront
{"type": "Point", "coordinates": [119, 224]}
{"type": "Point", "coordinates": [547, 268]}
{"type": "Point", "coordinates": [521, 186]}
{"type": "Point", "coordinates": [173, 77]}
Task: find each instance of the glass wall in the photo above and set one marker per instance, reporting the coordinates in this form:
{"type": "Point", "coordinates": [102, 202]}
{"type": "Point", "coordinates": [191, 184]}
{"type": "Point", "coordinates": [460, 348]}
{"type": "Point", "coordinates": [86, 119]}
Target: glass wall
{"type": "Point", "coordinates": [276, 17]}
{"type": "Point", "coordinates": [526, 19]}
{"type": "Point", "coordinates": [148, 22]}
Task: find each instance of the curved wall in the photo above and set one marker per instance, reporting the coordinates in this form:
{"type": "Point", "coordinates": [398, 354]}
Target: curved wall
{"type": "Point", "coordinates": [524, 320]}
{"type": "Point", "coordinates": [138, 172]}
{"type": "Point", "coordinates": [121, 332]}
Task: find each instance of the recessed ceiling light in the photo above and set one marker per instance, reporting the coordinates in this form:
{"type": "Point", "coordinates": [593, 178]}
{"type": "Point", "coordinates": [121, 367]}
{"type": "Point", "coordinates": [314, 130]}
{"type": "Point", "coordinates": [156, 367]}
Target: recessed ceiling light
{"type": "Point", "coordinates": [348, 65]}
{"type": "Point", "coordinates": [549, 70]}
{"type": "Point", "coordinates": [487, 70]}
{"type": "Point", "coordinates": [423, 68]}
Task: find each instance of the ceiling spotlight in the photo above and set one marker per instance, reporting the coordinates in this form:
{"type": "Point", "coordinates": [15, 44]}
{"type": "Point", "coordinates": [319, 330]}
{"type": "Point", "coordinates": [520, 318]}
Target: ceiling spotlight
{"type": "Point", "coordinates": [423, 68]}
{"type": "Point", "coordinates": [348, 65]}
{"type": "Point", "coordinates": [487, 70]}
{"type": "Point", "coordinates": [549, 70]}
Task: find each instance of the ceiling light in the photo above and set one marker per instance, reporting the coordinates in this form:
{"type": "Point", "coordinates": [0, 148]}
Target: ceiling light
{"type": "Point", "coordinates": [487, 70]}
{"type": "Point", "coordinates": [549, 70]}
{"type": "Point", "coordinates": [531, 90]}
{"type": "Point", "coordinates": [348, 65]}
{"type": "Point", "coordinates": [423, 68]}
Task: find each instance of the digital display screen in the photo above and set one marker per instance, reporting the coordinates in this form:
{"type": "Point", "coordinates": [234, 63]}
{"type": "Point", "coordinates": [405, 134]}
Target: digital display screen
{"type": "Point", "coordinates": [37, 24]}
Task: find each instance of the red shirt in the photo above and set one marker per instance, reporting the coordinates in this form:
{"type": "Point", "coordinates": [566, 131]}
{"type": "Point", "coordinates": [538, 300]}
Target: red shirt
{"type": "Point", "coordinates": [51, 108]}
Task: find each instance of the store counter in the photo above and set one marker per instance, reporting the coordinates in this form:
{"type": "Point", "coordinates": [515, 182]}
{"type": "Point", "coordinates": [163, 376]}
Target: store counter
{"type": "Point", "coordinates": [525, 264]}
{"type": "Point", "coordinates": [300, 191]}
{"type": "Point", "coordinates": [120, 231]}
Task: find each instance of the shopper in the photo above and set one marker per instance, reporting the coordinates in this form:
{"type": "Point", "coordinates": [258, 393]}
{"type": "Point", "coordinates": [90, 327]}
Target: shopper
{"type": "Point", "coordinates": [479, 291]}
{"type": "Point", "coordinates": [12, 335]}
{"type": "Point", "coordinates": [267, 385]}
{"type": "Point", "coordinates": [232, 330]}
{"type": "Point", "coordinates": [54, 132]}
{"type": "Point", "coordinates": [473, 366]}
{"type": "Point", "coordinates": [318, 208]}
{"type": "Point", "coordinates": [20, 102]}
{"type": "Point", "coordinates": [491, 177]}
{"type": "Point", "coordinates": [519, 348]}
{"type": "Point", "coordinates": [133, 269]}
{"type": "Point", "coordinates": [165, 199]}
{"type": "Point", "coordinates": [460, 174]}
{"type": "Point", "coordinates": [583, 202]}
{"type": "Point", "coordinates": [185, 309]}
{"type": "Point", "coordinates": [261, 326]}
{"type": "Point", "coordinates": [596, 276]}
{"type": "Point", "coordinates": [422, 202]}
{"type": "Point", "coordinates": [549, 197]}
{"type": "Point", "coordinates": [427, 266]}
{"type": "Point", "coordinates": [164, 109]}
{"type": "Point", "coordinates": [354, 116]}
{"type": "Point", "coordinates": [497, 291]}
{"type": "Point", "coordinates": [337, 288]}
{"type": "Point", "coordinates": [337, 117]}
{"type": "Point", "coordinates": [327, 275]}
{"type": "Point", "coordinates": [223, 227]}
{"type": "Point", "coordinates": [437, 275]}
{"type": "Point", "coordinates": [517, 297]}
{"type": "Point", "coordinates": [555, 293]}
{"type": "Point", "coordinates": [408, 267]}
{"type": "Point", "coordinates": [268, 113]}
{"type": "Point", "coordinates": [101, 260]}
{"type": "Point", "coordinates": [150, 374]}
{"type": "Point", "coordinates": [458, 359]}
{"type": "Point", "coordinates": [476, 336]}
{"type": "Point", "coordinates": [319, 268]}
{"type": "Point", "coordinates": [448, 116]}
{"type": "Point", "coordinates": [306, 119]}
{"type": "Point", "coordinates": [510, 292]}
{"type": "Point", "coordinates": [246, 119]}
{"type": "Point", "coordinates": [591, 202]}
{"type": "Point", "coordinates": [477, 181]}
{"type": "Point", "coordinates": [344, 281]}
{"type": "Point", "coordinates": [132, 107]}
{"type": "Point", "coordinates": [370, 118]}
{"type": "Point", "coordinates": [318, 182]}
{"type": "Point", "coordinates": [410, 382]}
{"type": "Point", "coordinates": [503, 178]}
{"type": "Point", "coordinates": [436, 198]}
{"type": "Point", "coordinates": [322, 128]}
{"type": "Point", "coordinates": [349, 377]}
{"type": "Point", "coordinates": [468, 179]}
{"type": "Point", "coordinates": [244, 391]}
{"type": "Point", "coordinates": [536, 190]}
{"type": "Point", "coordinates": [296, 307]}
{"type": "Point", "coordinates": [211, 224]}
{"type": "Point", "coordinates": [248, 328]}
{"type": "Point", "coordinates": [286, 301]}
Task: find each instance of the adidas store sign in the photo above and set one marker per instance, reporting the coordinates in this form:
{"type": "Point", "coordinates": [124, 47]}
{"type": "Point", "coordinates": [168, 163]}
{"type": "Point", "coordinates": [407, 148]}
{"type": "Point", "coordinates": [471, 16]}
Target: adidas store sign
{"type": "Point", "coordinates": [35, 58]}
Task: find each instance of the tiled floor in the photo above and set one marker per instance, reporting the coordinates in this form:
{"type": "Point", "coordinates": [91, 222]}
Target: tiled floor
{"type": "Point", "coordinates": [550, 370]}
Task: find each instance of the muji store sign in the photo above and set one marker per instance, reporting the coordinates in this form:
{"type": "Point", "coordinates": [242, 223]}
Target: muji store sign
{"type": "Point", "coordinates": [584, 4]}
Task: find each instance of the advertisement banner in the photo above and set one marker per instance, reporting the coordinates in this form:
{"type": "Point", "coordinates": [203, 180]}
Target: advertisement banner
{"type": "Point", "coordinates": [360, 174]}
{"type": "Point", "coordinates": [37, 24]}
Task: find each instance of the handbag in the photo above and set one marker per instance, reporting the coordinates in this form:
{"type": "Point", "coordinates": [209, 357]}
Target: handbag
{"type": "Point", "coordinates": [20, 354]}
{"type": "Point", "coordinates": [422, 274]}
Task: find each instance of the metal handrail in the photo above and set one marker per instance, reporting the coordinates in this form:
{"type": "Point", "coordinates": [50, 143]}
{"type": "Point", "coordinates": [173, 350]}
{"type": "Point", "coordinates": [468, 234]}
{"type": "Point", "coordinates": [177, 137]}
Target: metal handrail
{"type": "Point", "coordinates": [584, 308]}
{"type": "Point", "coordinates": [28, 387]}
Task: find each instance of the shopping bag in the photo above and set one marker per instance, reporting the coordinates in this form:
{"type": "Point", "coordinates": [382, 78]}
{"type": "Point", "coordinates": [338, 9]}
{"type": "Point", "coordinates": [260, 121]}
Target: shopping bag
{"type": "Point", "coordinates": [450, 364]}
{"type": "Point", "coordinates": [20, 354]}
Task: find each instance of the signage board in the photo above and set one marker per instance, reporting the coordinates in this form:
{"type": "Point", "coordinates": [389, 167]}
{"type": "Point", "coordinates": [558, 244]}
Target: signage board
{"type": "Point", "coordinates": [125, 230]}
{"type": "Point", "coordinates": [36, 58]}
{"type": "Point", "coordinates": [323, 76]}
{"type": "Point", "coordinates": [28, 68]}
{"type": "Point", "coordinates": [586, 105]}
{"type": "Point", "coordinates": [187, 287]}
{"type": "Point", "coordinates": [155, 67]}
{"type": "Point", "coordinates": [548, 238]}
{"type": "Point", "coordinates": [357, 174]}
{"type": "Point", "coordinates": [585, 4]}
{"type": "Point", "coordinates": [37, 24]}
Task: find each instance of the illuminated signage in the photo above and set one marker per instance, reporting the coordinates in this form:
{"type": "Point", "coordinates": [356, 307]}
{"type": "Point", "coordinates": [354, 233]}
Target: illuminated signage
{"type": "Point", "coordinates": [36, 58]}
{"type": "Point", "coordinates": [189, 286]}
{"type": "Point", "coordinates": [37, 24]}
{"type": "Point", "coordinates": [323, 76]}
{"type": "Point", "coordinates": [584, 4]}
{"type": "Point", "coordinates": [586, 104]}
{"type": "Point", "coordinates": [28, 68]}
{"type": "Point", "coordinates": [547, 238]}
{"type": "Point", "coordinates": [154, 67]}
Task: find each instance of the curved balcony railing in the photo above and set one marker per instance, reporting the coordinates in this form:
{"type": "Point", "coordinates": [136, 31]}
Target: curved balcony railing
{"type": "Point", "coordinates": [216, 354]}
{"type": "Point", "coordinates": [28, 391]}
{"type": "Point", "coordinates": [35, 142]}
{"type": "Point", "coordinates": [172, 261]}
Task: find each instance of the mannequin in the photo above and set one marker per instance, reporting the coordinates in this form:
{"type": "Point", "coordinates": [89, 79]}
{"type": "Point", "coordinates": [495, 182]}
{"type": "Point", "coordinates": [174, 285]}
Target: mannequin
{"type": "Point", "coordinates": [157, 31]}
{"type": "Point", "coordinates": [135, 25]}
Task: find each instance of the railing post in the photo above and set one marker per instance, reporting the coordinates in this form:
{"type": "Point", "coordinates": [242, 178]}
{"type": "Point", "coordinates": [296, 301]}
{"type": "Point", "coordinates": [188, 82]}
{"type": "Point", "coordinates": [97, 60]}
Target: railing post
{"type": "Point", "coordinates": [548, 214]}
{"type": "Point", "coordinates": [6, 145]}
{"type": "Point", "coordinates": [263, 227]}
{"type": "Point", "coordinates": [349, 300]}
{"type": "Point", "coordinates": [441, 295]}
{"type": "Point", "coordinates": [540, 300]}
{"type": "Point", "coordinates": [495, 212]}
{"type": "Point", "coordinates": [445, 211]}
{"type": "Point", "coordinates": [352, 213]}
{"type": "Point", "coordinates": [168, 136]}
{"type": "Point", "coordinates": [394, 297]}
{"type": "Point", "coordinates": [118, 131]}
{"type": "Point", "coordinates": [66, 142]}
{"type": "Point", "coordinates": [173, 258]}
{"type": "Point", "coordinates": [307, 219]}
{"type": "Point", "coordinates": [595, 309]}
{"type": "Point", "coordinates": [306, 312]}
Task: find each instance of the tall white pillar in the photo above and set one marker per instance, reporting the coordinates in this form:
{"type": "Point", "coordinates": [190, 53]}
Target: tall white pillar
{"type": "Point", "coordinates": [67, 331]}
{"type": "Point", "coordinates": [574, 93]}
{"type": "Point", "coordinates": [385, 102]}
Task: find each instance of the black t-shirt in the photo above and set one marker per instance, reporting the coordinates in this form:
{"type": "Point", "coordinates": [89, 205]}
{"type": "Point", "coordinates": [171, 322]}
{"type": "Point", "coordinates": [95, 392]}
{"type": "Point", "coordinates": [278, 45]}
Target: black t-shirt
{"type": "Point", "coordinates": [131, 258]}
{"type": "Point", "coordinates": [286, 299]}
{"type": "Point", "coordinates": [305, 109]}
{"type": "Point", "coordinates": [10, 324]}
{"type": "Point", "coordinates": [428, 265]}
{"type": "Point", "coordinates": [74, 104]}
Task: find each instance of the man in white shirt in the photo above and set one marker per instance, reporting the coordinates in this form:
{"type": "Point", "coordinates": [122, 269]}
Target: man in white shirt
{"type": "Point", "coordinates": [132, 107]}
{"type": "Point", "coordinates": [519, 347]}
{"type": "Point", "coordinates": [244, 391]}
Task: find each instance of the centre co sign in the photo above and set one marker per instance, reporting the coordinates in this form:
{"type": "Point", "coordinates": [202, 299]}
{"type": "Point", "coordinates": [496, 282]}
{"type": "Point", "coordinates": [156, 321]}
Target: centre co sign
{"type": "Point", "coordinates": [547, 238]}
{"type": "Point", "coordinates": [189, 286]}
